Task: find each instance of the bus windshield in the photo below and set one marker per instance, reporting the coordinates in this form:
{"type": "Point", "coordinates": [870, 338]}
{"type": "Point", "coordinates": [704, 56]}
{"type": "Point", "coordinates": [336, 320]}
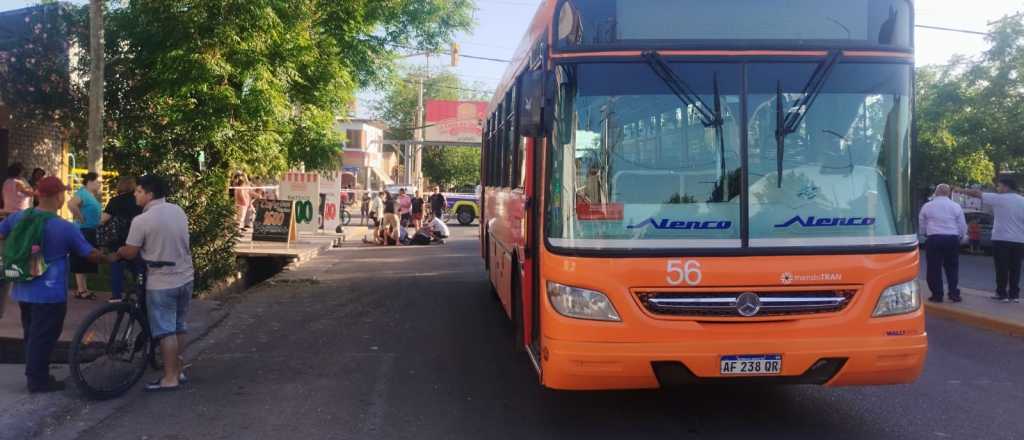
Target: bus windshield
{"type": "Point", "coordinates": [634, 166]}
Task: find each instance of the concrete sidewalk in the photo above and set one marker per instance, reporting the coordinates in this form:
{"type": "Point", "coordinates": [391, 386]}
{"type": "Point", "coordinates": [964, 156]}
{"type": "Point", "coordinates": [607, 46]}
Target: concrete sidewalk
{"type": "Point", "coordinates": [978, 309]}
{"type": "Point", "coordinates": [24, 415]}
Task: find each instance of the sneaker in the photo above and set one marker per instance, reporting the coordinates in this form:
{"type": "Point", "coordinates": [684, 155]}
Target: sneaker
{"type": "Point", "coordinates": [957, 299]}
{"type": "Point", "coordinates": [1016, 300]}
{"type": "Point", "coordinates": [1006, 300]}
{"type": "Point", "coordinates": [998, 298]}
{"type": "Point", "coordinates": [934, 299]}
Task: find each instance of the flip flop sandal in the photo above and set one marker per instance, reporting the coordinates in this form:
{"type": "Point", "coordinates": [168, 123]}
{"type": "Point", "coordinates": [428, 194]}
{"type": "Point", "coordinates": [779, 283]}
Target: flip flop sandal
{"type": "Point", "coordinates": [86, 295]}
{"type": "Point", "coordinates": [157, 387]}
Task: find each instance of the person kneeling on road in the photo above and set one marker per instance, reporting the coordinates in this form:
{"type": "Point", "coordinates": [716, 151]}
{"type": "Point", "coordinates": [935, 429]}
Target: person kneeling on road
{"type": "Point", "coordinates": [161, 235]}
{"type": "Point", "coordinates": [439, 230]}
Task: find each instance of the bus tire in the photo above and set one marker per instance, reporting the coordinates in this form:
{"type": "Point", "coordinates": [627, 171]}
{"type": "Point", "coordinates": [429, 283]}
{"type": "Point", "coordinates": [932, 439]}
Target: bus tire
{"type": "Point", "coordinates": [465, 215]}
{"type": "Point", "coordinates": [517, 309]}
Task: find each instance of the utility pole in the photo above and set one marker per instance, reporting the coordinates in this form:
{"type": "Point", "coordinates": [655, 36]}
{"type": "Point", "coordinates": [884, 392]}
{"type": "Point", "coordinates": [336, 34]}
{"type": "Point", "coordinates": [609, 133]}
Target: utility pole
{"type": "Point", "coordinates": [96, 79]}
{"type": "Point", "coordinates": [418, 173]}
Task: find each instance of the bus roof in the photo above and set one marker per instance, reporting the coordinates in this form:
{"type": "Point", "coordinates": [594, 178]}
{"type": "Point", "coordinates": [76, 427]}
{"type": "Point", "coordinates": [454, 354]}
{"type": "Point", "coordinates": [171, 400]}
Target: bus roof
{"type": "Point", "coordinates": [542, 21]}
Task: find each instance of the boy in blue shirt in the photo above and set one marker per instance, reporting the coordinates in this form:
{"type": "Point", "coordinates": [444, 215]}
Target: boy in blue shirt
{"type": "Point", "coordinates": [43, 300]}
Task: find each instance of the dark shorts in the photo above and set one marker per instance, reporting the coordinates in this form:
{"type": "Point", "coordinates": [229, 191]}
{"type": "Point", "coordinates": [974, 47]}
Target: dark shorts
{"type": "Point", "coordinates": [80, 264]}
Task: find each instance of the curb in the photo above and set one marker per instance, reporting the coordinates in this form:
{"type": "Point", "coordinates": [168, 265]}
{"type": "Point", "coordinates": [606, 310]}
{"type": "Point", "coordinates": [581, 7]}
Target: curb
{"type": "Point", "coordinates": [976, 319]}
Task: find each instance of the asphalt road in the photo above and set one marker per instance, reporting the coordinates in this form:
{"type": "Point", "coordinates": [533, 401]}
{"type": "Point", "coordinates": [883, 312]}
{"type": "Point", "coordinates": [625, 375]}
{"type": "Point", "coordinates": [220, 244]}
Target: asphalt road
{"type": "Point", "coordinates": [406, 343]}
{"type": "Point", "coordinates": [976, 272]}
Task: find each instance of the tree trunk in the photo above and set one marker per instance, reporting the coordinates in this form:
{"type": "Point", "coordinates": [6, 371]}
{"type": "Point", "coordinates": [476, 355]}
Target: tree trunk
{"type": "Point", "coordinates": [95, 141]}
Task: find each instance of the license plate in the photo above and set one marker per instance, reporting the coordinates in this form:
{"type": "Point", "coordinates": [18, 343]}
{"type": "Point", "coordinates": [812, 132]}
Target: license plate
{"type": "Point", "coordinates": [751, 365]}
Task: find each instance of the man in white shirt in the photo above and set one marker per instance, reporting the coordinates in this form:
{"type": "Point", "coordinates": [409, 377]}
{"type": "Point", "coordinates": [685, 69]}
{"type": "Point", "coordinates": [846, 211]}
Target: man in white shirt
{"type": "Point", "coordinates": [438, 229]}
{"type": "Point", "coordinates": [161, 236]}
{"type": "Point", "coordinates": [942, 221]}
{"type": "Point", "coordinates": [1007, 236]}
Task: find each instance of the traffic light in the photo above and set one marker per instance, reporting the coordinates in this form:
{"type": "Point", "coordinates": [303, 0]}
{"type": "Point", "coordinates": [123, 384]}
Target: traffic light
{"type": "Point", "coordinates": [455, 54]}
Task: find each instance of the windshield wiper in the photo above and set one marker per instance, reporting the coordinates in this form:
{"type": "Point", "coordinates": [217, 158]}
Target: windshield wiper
{"type": "Point", "coordinates": [787, 123]}
{"type": "Point", "coordinates": [710, 117]}
{"type": "Point", "coordinates": [685, 93]}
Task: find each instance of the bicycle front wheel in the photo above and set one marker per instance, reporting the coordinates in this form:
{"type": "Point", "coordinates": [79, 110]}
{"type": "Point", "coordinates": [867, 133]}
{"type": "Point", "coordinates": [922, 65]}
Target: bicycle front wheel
{"type": "Point", "coordinates": [109, 352]}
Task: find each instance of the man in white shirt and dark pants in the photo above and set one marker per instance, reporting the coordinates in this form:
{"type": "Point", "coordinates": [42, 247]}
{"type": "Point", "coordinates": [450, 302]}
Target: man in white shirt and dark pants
{"type": "Point", "coordinates": [1007, 236]}
{"type": "Point", "coordinates": [942, 222]}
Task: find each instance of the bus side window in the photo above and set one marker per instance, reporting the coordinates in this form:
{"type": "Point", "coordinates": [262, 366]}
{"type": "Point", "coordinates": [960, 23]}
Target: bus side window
{"type": "Point", "coordinates": [513, 138]}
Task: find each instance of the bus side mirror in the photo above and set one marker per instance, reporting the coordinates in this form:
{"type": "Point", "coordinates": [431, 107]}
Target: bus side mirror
{"type": "Point", "coordinates": [531, 111]}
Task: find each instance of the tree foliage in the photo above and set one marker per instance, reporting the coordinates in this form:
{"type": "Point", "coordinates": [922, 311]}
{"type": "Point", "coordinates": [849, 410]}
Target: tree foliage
{"type": "Point", "coordinates": [452, 166]}
{"type": "Point", "coordinates": [446, 166]}
{"type": "Point", "coordinates": [35, 77]}
{"type": "Point", "coordinates": [970, 113]}
{"type": "Point", "coordinates": [198, 89]}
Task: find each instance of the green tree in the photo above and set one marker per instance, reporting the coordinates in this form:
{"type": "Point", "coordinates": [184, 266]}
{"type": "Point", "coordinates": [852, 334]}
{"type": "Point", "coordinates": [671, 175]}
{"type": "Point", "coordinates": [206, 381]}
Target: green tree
{"type": "Point", "coordinates": [941, 155]}
{"type": "Point", "coordinates": [447, 166]}
{"type": "Point", "coordinates": [198, 89]}
{"type": "Point", "coordinates": [452, 166]}
{"type": "Point", "coordinates": [994, 116]}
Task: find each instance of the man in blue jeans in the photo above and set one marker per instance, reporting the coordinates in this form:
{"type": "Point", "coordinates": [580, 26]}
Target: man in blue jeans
{"type": "Point", "coordinates": [160, 234]}
{"type": "Point", "coordinates": [43, 300]}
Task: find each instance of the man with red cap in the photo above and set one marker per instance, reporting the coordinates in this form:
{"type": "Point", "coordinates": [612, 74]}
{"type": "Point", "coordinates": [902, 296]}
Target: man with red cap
{"type": "Point", "coordinates": [43, 299]}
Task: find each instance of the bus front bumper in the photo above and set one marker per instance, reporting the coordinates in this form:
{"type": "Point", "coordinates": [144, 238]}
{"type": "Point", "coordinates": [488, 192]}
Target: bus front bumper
{"type": "Point", "coordinates": [570, 365]}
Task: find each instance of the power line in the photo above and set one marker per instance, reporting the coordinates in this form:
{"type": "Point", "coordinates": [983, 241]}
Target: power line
{"type": "Point", "coordinates": [946, 29]}
{"type": "Point", "coordinates": [509, 3]}
{"type": "Point", "coordinates": [474, 57]}
{"type": "Point", "coordinates": [461, 55]}
{"type": "Point", "coordinates": [443, 86]}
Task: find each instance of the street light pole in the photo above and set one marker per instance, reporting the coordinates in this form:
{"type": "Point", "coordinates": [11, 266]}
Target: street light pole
{"type": "Point", "coordinates": [419, 131]}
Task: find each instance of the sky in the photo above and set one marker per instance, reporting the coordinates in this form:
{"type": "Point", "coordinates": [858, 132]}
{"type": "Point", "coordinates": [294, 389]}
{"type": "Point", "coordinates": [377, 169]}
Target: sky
{"type": "Point", "coordinates": [501, 23]}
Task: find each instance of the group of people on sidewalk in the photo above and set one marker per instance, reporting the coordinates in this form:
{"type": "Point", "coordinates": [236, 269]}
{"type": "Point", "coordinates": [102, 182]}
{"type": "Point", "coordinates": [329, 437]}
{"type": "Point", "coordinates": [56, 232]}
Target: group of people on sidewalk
{"type": "Point", "coordinates": [20, 194]}
{"type": "Point", "coordinates": [390, 216]}
{"type": "Point", "coordinates": [38, 246]}
{"type": "Point", "coordinates": [943, 223]}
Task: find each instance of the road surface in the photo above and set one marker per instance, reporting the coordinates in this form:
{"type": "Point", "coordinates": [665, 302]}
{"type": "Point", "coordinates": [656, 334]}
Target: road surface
{"type": "Point", "coordinates": [406, 343]}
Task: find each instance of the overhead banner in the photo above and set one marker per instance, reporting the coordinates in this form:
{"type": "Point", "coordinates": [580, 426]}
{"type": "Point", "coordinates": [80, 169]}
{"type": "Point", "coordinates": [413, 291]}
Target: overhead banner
{"type": "Point", "coordinates": [455, 121]}
{"type": "Point", "coordinates": [304, 190]}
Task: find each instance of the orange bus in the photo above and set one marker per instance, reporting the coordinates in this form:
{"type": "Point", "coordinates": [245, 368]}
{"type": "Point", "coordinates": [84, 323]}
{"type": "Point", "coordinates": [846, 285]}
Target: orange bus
{"type": "Point", "coordinates": [684, 191]}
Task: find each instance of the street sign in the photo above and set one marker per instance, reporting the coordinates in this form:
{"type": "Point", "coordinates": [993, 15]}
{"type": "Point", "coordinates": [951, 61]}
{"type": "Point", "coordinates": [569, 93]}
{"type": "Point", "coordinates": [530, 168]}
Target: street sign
{"type": "Point", "coordinates": [275, 221]}
{"type": "Point", "coordinates": [330, 196]}
{"type": "Point", "coordinates": [304, 190]}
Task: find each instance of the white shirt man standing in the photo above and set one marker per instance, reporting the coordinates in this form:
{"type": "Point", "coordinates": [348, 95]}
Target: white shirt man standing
{"type": "Point", "coordinates": [942, 222]}
{"type": "Point", "coordinates": [1007, 236]}
{"type": "Point", "coordinates": [161, 235]}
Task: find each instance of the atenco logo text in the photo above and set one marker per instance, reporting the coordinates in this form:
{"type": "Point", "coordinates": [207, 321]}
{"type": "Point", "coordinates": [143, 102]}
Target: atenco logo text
{"type": "Point", "coordinates": [682, 224]}
{"type": "Point", "coordinates": [816, 222]}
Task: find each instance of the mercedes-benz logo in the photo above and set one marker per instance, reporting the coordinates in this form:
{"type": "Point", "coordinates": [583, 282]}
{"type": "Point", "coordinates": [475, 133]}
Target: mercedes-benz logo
{"type": "Point", "coordinates": [748, 304]}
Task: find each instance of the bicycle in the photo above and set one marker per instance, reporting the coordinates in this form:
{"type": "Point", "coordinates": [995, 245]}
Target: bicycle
{"type": "Point", "coordinates": [112, 348]}
{"type": "Point", "coordinates": [346, 218]}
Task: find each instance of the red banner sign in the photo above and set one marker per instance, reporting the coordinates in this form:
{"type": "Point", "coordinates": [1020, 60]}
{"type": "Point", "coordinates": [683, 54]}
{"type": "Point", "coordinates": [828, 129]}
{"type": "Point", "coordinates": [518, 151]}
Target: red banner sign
{"type": "Point", "coordinates": [455, 121]}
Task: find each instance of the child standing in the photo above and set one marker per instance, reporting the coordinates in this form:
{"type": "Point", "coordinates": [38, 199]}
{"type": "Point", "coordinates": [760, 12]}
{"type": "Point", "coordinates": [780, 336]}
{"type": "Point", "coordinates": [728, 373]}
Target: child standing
{"type": "Point", "coordinates": [974, 234]}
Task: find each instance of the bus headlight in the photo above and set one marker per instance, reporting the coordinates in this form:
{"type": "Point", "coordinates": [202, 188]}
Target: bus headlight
{"type": "Point", "coordinates": [575, 302]}
{"type": "Point", "coordinates": [897, 300]}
